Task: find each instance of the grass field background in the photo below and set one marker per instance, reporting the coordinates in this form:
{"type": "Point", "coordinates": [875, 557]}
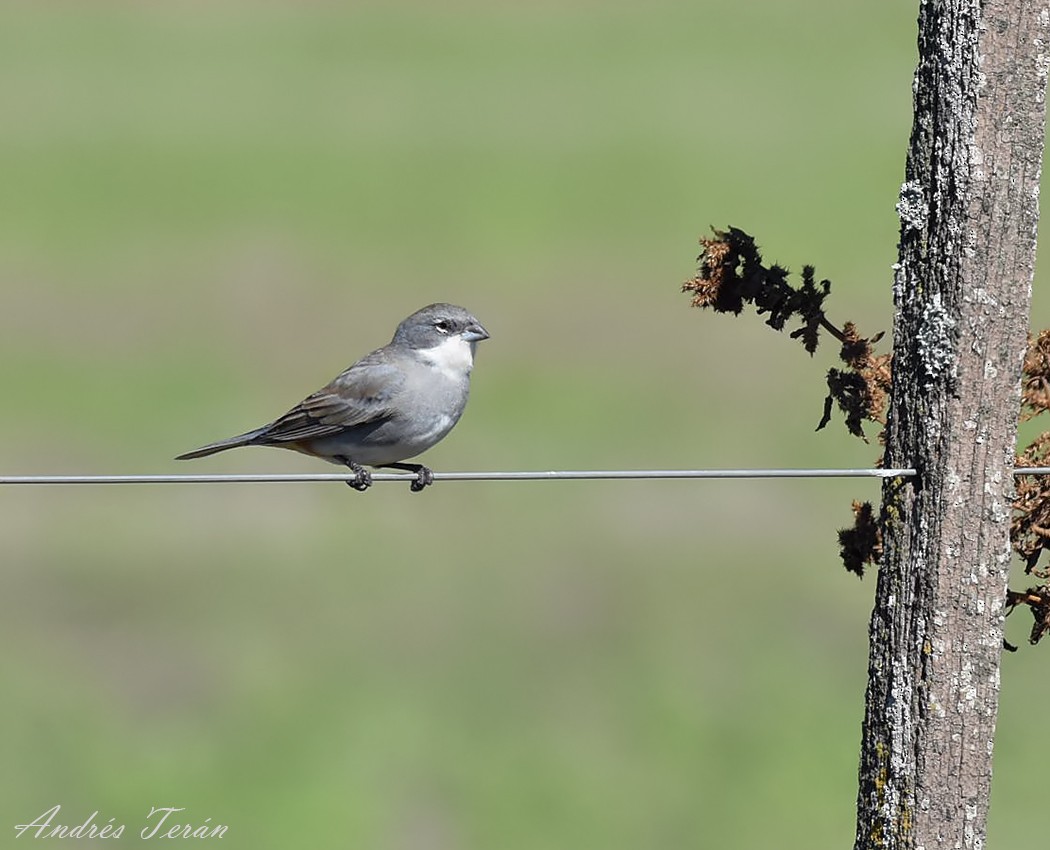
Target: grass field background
{"type": "Point", "coordinates": [208, 210]}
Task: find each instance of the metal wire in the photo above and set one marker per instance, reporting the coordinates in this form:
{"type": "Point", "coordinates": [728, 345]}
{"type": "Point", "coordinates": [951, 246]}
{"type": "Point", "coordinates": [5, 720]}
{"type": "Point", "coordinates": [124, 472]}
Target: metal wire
{"type": "Point", "coordinates": [531, 475]}
{"type": "Point", "coordinates": [538, 475]}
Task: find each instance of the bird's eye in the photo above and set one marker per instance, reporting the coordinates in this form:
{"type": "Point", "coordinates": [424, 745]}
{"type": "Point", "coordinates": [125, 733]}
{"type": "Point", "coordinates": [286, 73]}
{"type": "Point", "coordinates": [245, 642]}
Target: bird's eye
{"type": "Point", "coordinates": [442, 326]}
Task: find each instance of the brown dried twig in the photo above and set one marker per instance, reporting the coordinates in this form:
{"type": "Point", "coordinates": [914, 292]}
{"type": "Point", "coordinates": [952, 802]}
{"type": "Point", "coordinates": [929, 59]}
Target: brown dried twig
{"type": "Point", "coordinates": [1038, 601]}
{"type": "Point", "coordinates": [861, 543]}
{"type": "Point", "coordinates": [1030, 525]}
{"type": "Point", "coordinates": [731, 273]}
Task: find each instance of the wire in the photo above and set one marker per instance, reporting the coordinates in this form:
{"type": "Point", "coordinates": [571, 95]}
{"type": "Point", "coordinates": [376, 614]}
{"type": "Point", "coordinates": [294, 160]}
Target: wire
{"type": "Point", "coordinates": [538, 475]}
{"type": "Point", "coordinates": [532, 475]}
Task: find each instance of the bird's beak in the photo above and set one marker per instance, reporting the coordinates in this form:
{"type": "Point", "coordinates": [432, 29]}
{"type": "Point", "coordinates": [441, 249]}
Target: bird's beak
{"type": "Point", "coordinates": [475, 332]}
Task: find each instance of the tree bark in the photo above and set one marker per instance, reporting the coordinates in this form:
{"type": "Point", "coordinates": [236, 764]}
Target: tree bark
{"type": "Point", "coordinates": [969, 211]}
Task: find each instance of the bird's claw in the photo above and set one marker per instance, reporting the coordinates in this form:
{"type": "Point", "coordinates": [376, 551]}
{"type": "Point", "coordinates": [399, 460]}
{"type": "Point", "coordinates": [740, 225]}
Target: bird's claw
{"type": "Point", "coordinates": [362, 479]}
{"type": "Point", "coordinates": [424, 478]}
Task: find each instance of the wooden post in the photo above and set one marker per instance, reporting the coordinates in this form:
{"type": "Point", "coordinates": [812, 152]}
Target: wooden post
{"type": "Point", "coordinates": [969, 211]}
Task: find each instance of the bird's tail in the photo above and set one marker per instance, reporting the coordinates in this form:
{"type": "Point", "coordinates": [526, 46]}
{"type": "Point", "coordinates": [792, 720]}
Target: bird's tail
{"type": "Point", "coordinates": [221, 446]}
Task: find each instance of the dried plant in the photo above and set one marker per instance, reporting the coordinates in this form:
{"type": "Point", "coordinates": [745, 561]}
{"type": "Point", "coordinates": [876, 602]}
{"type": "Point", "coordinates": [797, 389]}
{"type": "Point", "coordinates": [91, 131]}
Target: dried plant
{"type": "Point", "coordinates": [861, 543]}
{"type": "Point", "coordinates": [1030, 526]}
{"type": "Point", "coordinates": [731, 275]}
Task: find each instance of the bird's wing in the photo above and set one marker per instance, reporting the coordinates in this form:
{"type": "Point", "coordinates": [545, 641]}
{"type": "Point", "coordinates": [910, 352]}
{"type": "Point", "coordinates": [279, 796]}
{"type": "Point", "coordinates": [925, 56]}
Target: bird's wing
{"type": "Point", "coordinates": [359, 396]}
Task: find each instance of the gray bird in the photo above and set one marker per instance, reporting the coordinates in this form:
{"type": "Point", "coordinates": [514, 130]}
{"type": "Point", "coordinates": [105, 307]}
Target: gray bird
{"type": "Point", "coordinates": [392, 404]}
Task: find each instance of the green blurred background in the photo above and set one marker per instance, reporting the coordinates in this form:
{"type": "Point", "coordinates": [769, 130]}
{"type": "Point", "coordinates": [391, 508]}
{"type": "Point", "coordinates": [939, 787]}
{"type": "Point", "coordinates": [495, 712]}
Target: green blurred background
{"type": "Point", "coordinates": [209, 209]}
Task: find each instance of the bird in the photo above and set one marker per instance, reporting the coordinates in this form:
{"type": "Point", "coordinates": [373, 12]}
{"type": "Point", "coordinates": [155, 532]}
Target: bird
{"type": "Point", "coordinates": [389, 406]}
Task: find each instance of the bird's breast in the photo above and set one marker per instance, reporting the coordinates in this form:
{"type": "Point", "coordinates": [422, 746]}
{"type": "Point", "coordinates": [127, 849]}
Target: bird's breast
{"type": "Point", "coordinates": [436, 428]}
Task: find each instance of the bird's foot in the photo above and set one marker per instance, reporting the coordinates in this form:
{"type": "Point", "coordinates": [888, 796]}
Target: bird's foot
{"type": "Point", "coordinates": [362, 479]}
{"type": "Point", "coordinates": [424, 475]}
{"type": "Point", "coordinates": [424, 478]}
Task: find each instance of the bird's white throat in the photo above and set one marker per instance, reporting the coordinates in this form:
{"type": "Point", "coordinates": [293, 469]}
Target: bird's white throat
{"type": "Point", "coordinates": [454, 357]}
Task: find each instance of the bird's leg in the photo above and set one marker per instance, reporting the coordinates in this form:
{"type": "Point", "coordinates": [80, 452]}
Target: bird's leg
{"type": "Point", "coordinates": [363, 478]}
{"type": "Point", "coordinates": [424, 476]}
